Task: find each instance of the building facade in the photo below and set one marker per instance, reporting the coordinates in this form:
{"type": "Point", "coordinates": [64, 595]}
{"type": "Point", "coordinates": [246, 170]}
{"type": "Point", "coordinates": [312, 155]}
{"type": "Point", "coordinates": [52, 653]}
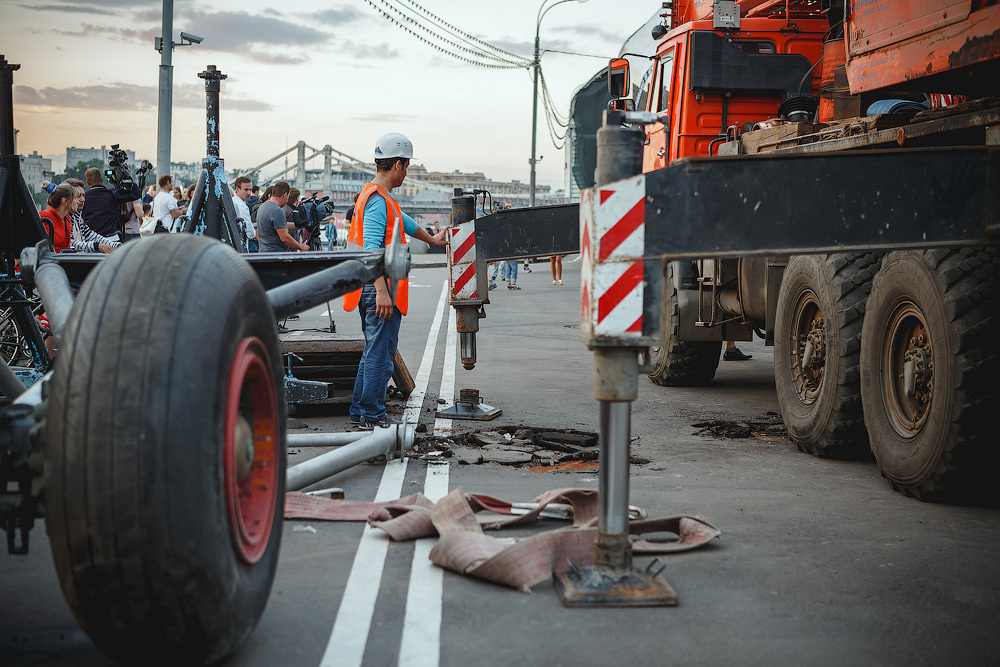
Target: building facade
{"type": "Point", "coordinates": [35, 169]}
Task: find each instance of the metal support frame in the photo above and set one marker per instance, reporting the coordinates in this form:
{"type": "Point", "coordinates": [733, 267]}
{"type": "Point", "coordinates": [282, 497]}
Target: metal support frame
{"type": "Point", "coordinates": [391, 441]}
{"type": "Point", "coordinates": [212, 210]}
{"type": "Point", "coordinates": [613, 580]}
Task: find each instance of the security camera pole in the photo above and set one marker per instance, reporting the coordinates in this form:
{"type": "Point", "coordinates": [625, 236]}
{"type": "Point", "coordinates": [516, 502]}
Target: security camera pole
{"type": "Point", "coordinates": [165, 45]}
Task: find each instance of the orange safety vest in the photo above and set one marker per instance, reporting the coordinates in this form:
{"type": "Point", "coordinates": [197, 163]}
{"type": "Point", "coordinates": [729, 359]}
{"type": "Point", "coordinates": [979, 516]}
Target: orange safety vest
{"type": "Point", "coordinates": [356, 236]}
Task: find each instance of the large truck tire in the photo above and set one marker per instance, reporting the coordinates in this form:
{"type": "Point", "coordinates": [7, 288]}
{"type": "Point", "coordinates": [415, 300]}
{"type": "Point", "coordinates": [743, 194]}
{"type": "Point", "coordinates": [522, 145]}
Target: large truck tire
{"type": "Point", "coordinates": [681, 363]}
{"type": "Point", "coordinates": [817, 344]}
{"type": "Point", "coordinates": [165, 435]}
{"type": "Point", "coordinates": [929, 371]}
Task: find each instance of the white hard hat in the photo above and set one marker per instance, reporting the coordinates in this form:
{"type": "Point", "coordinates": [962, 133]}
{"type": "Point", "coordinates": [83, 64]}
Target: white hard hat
{"type": "Point", "coordinates": [393, 145]}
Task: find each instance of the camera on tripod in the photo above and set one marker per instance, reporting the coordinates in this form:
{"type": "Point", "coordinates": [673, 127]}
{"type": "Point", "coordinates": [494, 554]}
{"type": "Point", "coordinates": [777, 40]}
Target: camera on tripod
{"type": "Point", "coordinates": [119, 175]}
{"type": "Point", "coordinates": [309, 214]}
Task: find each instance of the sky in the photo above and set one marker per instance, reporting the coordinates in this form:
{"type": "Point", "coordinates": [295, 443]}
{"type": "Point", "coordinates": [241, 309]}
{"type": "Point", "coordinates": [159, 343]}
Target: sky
{"type": "Point", "coordinates": [334, 72]}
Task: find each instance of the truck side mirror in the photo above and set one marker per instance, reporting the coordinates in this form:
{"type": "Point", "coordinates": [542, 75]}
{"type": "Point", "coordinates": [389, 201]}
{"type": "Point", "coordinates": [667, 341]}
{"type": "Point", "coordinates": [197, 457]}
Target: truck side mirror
{"type": "Point", "coordinates": [618, 81]}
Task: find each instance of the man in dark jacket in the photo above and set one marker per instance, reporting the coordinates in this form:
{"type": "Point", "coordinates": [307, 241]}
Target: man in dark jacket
{"type": "Point", "coordinates": [101, 211]}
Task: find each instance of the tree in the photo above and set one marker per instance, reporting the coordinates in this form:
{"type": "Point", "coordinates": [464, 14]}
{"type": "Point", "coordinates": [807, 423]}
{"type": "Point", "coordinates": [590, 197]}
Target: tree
{"type": "Point", "coordinates": [78, 170]}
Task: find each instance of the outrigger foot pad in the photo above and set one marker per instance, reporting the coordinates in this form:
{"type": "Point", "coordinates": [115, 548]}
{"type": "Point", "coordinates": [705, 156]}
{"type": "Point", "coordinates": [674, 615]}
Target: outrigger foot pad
{"type": "Point", "coordinates": [596, 586]}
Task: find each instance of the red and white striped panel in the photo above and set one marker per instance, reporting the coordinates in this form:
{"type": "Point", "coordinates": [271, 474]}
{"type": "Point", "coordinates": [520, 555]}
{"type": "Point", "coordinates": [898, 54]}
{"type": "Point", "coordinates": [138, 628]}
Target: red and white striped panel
{"type": "Point", "coordinates": [612, 242]}
{"type": "Point", "coordinates": [462, 262]}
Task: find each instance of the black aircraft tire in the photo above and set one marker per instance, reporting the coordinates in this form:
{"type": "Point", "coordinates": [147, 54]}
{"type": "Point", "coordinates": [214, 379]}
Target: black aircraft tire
{"type": "Point", "coordinates": [939, 310]}
{"type": "Point", "coordinates": [681, 363]}
{"type": "Point", "coordinates": [165, 540]}
{"type": "Point", "coordinates": [822, 297]}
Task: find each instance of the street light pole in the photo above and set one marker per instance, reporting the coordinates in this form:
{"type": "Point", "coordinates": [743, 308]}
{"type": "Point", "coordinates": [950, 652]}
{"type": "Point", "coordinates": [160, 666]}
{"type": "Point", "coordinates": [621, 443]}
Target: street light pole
{"type": "Point", "coordinates": [536, 64]}
{"type": "Point", "coordinates": [165, 45]}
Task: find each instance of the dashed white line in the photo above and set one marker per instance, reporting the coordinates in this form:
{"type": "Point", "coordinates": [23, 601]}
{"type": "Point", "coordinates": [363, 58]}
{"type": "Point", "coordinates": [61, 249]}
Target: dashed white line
{"type": "Point", "coordinates": [421, 643]}
{"type": "Point", "coordinates": [447, 391]}
{"type": "Point", "coordinates": [346, 647]}
{"type": "Point", "coordinates": [411, 414]}
{"type": "Point", "coordinates": [349, 637]}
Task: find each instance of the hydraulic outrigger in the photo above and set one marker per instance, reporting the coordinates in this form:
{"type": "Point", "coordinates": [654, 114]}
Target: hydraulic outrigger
{"type": "Point", "coordinates": [631, 225]}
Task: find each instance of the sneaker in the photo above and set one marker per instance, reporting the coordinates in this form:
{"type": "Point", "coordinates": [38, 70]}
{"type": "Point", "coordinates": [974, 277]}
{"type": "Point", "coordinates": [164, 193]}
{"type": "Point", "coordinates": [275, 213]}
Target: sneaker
{"type": "Point", "coordinates": [560, 282]}
{"type": "Point", "coordinates": [493, 285]}
{"type": "Point", "coordinates": [513, 287]}
{"type": "Point", "coordinates": [526, 269]}
{"type": "Point", "coordinates": [282, 330]}
{"type": "Point", "coordinates": [292, 318]}
{"type": "Point", "coordinates": [735, 354]}
{"type": "Point", "coordinates": [385, 421]}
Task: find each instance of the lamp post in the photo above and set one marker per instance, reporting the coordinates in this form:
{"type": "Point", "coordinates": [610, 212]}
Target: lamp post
{"type": "Point", "coordinates": [542, 10]}
{"type": "Point", "coordinates": [165, 45]}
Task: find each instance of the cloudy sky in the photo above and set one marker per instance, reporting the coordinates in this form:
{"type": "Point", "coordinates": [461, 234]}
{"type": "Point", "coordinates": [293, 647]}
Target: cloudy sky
{"type": "Point", "coordinates": [335, 72]}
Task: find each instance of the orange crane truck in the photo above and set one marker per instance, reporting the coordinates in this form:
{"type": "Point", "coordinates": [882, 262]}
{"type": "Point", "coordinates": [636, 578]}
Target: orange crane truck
{"type": "Point", "coordinates": [788, 111]}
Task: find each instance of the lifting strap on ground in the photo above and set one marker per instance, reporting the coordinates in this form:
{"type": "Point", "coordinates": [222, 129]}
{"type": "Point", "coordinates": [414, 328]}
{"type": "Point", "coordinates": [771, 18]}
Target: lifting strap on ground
{"type": "Point", "coordinates": [521, 563]}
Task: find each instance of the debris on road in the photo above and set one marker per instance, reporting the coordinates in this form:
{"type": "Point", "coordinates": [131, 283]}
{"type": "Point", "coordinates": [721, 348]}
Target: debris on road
{"type": "Point", "coordinates": [767, 427]}
{"type": "Point", "coordinates": [536, 449]}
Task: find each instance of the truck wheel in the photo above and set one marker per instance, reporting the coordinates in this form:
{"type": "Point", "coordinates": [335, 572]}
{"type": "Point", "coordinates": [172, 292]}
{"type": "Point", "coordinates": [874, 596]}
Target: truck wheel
{"type": "Point", "coordinates": [681, 363]}
{"type": "Point", "coordinates": [821, 306]}
{"type": "Point", "coordinates": [929, 369]}
{"type": "Point", "coordinates": [165, 439]}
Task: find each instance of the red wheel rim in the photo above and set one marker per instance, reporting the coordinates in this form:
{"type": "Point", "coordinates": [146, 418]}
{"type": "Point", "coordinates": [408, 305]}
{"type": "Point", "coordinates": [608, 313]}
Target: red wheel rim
{"type": "Point", "coordinates": [251, 449]}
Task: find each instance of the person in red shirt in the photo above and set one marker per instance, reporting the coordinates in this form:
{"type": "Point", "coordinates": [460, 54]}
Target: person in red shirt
{"type": "Point", "coordinates": [62, 202]}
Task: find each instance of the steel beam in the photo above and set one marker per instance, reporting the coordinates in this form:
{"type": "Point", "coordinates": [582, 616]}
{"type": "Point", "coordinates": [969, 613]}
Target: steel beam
{"type": "Point", "coordinates": [847, 201]}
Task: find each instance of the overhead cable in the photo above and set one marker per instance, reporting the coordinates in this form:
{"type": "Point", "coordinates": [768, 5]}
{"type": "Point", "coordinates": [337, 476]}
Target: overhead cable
{"type": "Point", "coordinates": [455, 30]}
{"type": "Point", "coordinates": [499, 63]}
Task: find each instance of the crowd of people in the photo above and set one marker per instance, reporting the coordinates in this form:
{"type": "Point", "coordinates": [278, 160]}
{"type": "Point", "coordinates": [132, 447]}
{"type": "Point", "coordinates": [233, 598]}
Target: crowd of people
{"type": "Point", "coordinates": [87, 216]}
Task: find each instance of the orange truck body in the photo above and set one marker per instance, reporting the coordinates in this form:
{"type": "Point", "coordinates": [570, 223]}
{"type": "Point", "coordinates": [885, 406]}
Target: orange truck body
{"type": "Point", "coordinates": [931, 46]}
{"type": "Point", "coordinates": [925, 45]}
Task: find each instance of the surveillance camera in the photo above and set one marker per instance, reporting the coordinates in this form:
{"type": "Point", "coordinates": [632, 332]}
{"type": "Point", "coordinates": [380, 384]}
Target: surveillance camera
{"type": "Point", "coordinates": [195, 39]}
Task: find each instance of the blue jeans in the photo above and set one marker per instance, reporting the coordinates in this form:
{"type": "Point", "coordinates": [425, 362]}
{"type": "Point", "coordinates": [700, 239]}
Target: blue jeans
{"type": "Point", "coordinates": [253, 245]}
{"type": "Point", "coordinates": [375, 369]}
{"type": "Point", "coordinates": [509, 271]}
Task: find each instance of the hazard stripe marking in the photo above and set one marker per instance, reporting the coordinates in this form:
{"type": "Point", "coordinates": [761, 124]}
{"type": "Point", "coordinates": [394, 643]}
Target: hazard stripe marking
{"type": "Point", "coordinates": [622, 229]}
{"type": "Point", "coordinates": [468, 274]}
{"type": "Point", "coordinates": [466, 245]}
{"type": "Point", "coordinates": [619, 290]}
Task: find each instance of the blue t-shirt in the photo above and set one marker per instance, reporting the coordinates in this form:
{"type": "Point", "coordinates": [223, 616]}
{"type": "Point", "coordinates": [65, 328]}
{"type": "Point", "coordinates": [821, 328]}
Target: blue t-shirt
{"type": "Point", "coordinates": [376, 219]}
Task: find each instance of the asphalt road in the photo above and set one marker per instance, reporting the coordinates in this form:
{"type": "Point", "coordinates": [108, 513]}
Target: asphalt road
{"type": "Point", "coordinates": [820, 562]}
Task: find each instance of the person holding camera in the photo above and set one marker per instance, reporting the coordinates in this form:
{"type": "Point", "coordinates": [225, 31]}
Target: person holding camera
{"type": "Point", "coordinates": [165, 208]}
{"type": "Point", "coordinates": [101, 210]}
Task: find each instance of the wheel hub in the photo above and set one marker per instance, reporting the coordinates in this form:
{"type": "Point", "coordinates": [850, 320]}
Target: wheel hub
{"type": "Point", "coordinates": [251, 449]}
{"type": "Point", "coordinates": [808, 347]}
{"type": "Point", "coordinates": [909, 363]}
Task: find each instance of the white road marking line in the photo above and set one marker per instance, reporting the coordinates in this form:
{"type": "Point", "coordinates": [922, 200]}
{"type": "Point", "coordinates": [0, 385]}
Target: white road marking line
{"type": "Point", "coordinates": [349, 637]}
{"type": "Point", "coordinates": [346, 647]}
{"type": "Point", "coordinates": [421, 642]}
{"type": "Point", "coordinates": [447, 391]}
{"type": "Point", "coordinates": [413, 405]}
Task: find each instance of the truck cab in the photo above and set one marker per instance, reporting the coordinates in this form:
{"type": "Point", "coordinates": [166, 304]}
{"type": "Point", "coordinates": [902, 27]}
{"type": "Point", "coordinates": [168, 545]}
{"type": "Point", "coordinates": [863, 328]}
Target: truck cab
{"type": "Point", "coordinates": [707, 78]}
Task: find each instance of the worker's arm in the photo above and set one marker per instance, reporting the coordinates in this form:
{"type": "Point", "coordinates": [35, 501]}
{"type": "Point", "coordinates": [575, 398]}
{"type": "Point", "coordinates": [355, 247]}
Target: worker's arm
{"type": "Point", "coordinates": [179, 211]}
{"type": "Point", "coordinates": [383, 300]}
{"type": "Point", "coordinates": [438, 239]}
{"type": "Point", "coordinates": [287, 239]}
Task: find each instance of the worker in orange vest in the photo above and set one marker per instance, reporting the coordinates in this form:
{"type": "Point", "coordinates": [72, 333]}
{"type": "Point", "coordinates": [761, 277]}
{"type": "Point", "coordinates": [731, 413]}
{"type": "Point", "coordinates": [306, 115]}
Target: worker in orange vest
{"type": "Point", "coordinates": [377, 218]}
